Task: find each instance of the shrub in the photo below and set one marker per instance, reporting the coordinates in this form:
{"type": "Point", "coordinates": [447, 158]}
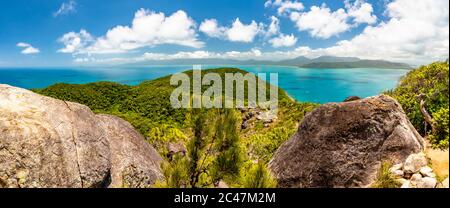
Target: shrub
{"type": "Point", "coordinates": [159, 136]}
{"type": "Point", "coordinates": [264, 145]}
{"type": "Point", "coordinates": [432, 82]}
{"type": "Point", "coordinates": [440, 137]}
{"type": "Point", "coordinates": [385, 179]}
{"type": "Point", "coordinates": [176, 174]}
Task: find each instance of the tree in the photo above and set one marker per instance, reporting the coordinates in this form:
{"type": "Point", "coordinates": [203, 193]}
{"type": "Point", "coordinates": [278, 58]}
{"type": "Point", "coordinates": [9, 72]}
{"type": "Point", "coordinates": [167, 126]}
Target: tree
{"type": "Point", "coordinates": [213, 152]}
{"type": "Point", "coordinates": [188, 171]}
{"type": "Point", "coordinates": [229, 156]}
{"type": "Point", "coordinates": [259, 177]}
{"type": "Point", "coordinates": [176, 174]}
{"type": "Point", "coordinates": [196, 147]}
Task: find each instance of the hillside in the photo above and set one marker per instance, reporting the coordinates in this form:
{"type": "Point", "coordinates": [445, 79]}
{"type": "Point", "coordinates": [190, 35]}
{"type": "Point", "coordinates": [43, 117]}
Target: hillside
{"type": "Point", "coordinates": [357, 64]}
{"type": "Point", "coordinates": [427, 84]}
{"type": "Point", "coordinates": [319, 62]}
{"type": "Point", "coordinates": [147, 107]}
{"type": "Point", "coordinates": [233, 147]}
{"type": "Point", "coordinates": [326, 59]}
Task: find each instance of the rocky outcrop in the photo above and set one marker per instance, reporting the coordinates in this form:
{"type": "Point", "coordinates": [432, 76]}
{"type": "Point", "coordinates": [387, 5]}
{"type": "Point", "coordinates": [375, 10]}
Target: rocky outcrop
{"type": "Point", "coordinates": [134, 163]}
{"type": "Point", "coordinates": [45, 142]}
{"type": "Point", "coordinates": [414, 163]}
{"type": "Point", "coordinates": [175, 149]}
{"type": "Point", "coordinates": [221, 184]}
{"type": "Point", "coordinates": [415, 173]}
{"type": "Point", "coordinates": [344, 144]}
{"type": "Point", "coordinates": [351, 98]}
{"type": "Point", "coordinates": [252, 115]}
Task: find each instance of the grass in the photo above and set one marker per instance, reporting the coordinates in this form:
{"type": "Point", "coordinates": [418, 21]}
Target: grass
{"type": "Point", "coordinates": [385, 179]}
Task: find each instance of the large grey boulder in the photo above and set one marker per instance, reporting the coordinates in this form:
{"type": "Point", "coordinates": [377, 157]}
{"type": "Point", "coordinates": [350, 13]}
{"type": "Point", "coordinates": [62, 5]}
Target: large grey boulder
{"type": "Point", "coordinates": [344, 144]}
{"type": "Point", "coordinates": [45, 142]}
{"type": "Point", "coordinates": [134, 163]}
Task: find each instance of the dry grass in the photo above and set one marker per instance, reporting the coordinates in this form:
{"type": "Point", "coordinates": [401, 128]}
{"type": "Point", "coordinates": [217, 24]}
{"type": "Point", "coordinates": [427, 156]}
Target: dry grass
{"type": "Point", "coordinates": [439, 161]}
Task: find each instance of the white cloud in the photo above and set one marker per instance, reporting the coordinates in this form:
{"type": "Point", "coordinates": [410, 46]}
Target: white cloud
{"type": "Point", "coordinates": [284, 6]}
{"type": "Point", "coordinates": [268, 3]}
{"type": "Point", "coordinates": [274, 27]}
{"type": "Point", "coordinates": [243, 33]}
{"type": "Point", "coordinates": [75, 42]}
{"type": "Point", "coordinates": [148, 29]}
{"type": "Point", "coordinates": [237, 32]}
{"type": "Point", "coordinates": [237, 55]}
{"type": "Point", "coordinates": [240, 32]}
{"type": "Point", "coordinates": [30, 50]}
{"type": "Point", "coordinates": [66, 8]}
{"type": "Point", "coordinates": [27, 48]}
{"type": "Point", "coordinates": [361, 12]}
{"type": "Point", "coordinates": [321, 22]}
{"type": "Point", "coordinates": [211, 28]}
{"type": "Point", "coordinates": [83, 60]}
{"type": "Point", "coordinates": [23, 45]}
{"type": "Point", "coordinates": [278, 39]}
{"type": "Point", "coordinates": [283, 41]}
{"type": "Point", "coordinates": [417, 32]}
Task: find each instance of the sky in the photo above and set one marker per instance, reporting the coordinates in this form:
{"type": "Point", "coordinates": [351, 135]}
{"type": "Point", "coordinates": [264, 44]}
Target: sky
{"type": "Point", "coordinates": [111, 32]}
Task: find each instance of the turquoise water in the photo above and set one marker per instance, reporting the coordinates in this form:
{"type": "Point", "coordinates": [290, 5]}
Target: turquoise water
{"type": "Point", "coordinates": [303, 84]}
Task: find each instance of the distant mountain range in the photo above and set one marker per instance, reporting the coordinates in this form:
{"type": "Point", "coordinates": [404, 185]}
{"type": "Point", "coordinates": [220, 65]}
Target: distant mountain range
{"type": "Point", "coordinates": [358, 64]}
{"type": "Point", "coordinates": [301, 61]}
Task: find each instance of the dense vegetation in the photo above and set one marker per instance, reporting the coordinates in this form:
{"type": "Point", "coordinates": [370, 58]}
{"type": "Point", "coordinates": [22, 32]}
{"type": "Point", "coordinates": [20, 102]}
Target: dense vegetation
{"type": "Point", "coordinates": [428, 84]}
{"type": "Point", "coordinates": [217, 148]}
{"type": "Point", "coordinates": [214, 152]}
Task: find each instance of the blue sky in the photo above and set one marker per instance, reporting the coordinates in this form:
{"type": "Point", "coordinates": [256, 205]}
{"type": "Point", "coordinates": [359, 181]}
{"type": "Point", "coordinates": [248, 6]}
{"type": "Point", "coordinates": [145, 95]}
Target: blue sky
{"type": "Point", "coordinates": [75, 32]}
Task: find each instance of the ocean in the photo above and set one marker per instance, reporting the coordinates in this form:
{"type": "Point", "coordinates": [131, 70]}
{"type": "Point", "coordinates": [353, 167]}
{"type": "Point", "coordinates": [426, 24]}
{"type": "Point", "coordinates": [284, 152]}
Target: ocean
{"type": "Point", "coordinates": [302, 84]}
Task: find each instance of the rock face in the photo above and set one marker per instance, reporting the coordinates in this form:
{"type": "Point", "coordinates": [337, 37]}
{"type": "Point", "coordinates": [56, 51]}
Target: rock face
{"type": "Point", "coordinates": [344, 144]}
{"type": "Point", "coordinates": [427, 182]}
{"type": "Point", "coordinates": [45, 142]}
{"type": "Point", "coordinates": [414, 162]}
{"type": "Point", "coordinates": [134, 163]}
{"type": "Point", "coordinates": [416, 173]}
{"type": "Point", "coordinates": [351, 98]}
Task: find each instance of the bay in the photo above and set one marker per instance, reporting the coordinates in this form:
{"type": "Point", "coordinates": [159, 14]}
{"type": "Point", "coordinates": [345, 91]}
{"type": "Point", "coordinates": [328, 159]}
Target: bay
{"type": "Point", "coordinates": [302, 84]}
